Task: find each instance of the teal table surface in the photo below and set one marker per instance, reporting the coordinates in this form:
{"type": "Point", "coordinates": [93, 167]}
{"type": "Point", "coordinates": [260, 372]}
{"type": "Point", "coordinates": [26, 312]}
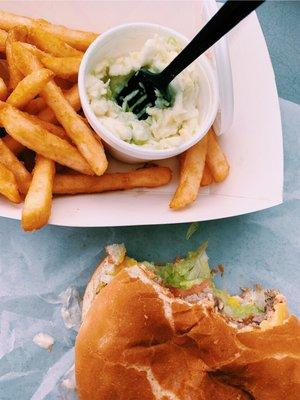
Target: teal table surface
{"type": "Point", "coordinates": [261, 247]}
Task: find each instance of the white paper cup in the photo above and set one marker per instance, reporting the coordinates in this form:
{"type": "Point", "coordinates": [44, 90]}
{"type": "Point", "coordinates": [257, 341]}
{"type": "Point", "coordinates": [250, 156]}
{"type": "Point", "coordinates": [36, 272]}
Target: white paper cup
{"type": "Point", "coordinates": [119, 41]}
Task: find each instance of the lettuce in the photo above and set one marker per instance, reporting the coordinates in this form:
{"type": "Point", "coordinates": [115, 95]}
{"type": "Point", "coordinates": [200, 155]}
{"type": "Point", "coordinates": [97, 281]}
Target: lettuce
{"type": "Point", "coordinates": [187, 272]}
{"type": "Point", "coordinates": [234, 308]}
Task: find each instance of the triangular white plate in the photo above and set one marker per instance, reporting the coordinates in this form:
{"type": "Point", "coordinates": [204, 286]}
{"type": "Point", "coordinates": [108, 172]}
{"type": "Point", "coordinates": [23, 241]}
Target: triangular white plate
{"type": "Point", "coordinates": [253, 144]}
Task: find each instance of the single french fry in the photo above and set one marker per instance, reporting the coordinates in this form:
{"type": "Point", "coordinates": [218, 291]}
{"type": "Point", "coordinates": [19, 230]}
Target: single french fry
{"type": "Point", "coordinates": [50, 43]}
{"type": "Point", "coordinates": [8, 185]}
{"type": "Point", "coordinates": [35, 106]}
{"type": "Point", "coordinates": [144, 177]}
{"type": "Point", "coordinates": [72, 96]}
{"type": "Point", "coordinates": [14, 35]}
{"type": "Point", "coordinates": [207, 178]}
{"type": "Point", "coordinates": [17, 147]}
{"type": "Point", "coordinates": [42, 141]}
{"type": "Point", "coordinates": [10, 161]}
{"type": "Point", "coordinates": [216, 159]}
{"type": "Point", "coordinates": [55, 129]}
{"type": "Point", "coordinates": [29, 87]}
{"type": "Point", "coordinates": [34, 50]}
{"type": "Point", "coordinates": [78, 39]}
{"type": "Point", "coordinates": [63, 67]}
{"type": "Point", "coordinates": [77, 130]}
{"type": "Point", "coordinates": [13, 145]}
{"type": "Point", "coordinates": [191, 174]}
{"type": "Point", "coordinates": [3, 90]}
{"type": "Point", "coordinates": [38, 201]}
{"type": "Point", "coordinates": [8, 20]}
{"type": "Point", "coordinates": [24, 59]}
{"type": "Point", "coordinates": [3, 37]}
{"type": "Point", "coordinates": [4, 71]}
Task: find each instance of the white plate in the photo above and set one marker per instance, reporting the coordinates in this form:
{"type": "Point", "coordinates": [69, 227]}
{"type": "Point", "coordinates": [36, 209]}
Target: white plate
{"type": "Point", "coordinates": [253, 144]}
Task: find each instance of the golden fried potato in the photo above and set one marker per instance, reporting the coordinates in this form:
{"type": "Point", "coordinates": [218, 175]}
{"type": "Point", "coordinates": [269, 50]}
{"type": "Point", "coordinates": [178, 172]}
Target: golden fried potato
{"type": "Point", "coordinates": [63, 67]}
{"type": "Point", "coordinates": [72, 96]}
{"type": "Point", "coordinates": [207, 178]}
{"type": "Point", "coordinates": [40, 140]}
{"type": "Point", "coordinates": [3, 90]}
{"type": "Point", "coordinates": [29, 87]}
{"type": "Point", "coordinates": [191, 173]}
{"type": "Point", "coordinates": [10, 161]}
{"type": "Point", "coordinates": [3, 37]}
{"type": "Point", "coordinates": [80, 133]}
{"type": "Point", "coordinates": [51, 44]}
{"type": "Point", "coordinates": [35, 106]}
{"type": "Point", "coordinates": [216, 159]}
{"type": "Point", "coordinates": [12, 144]}
{"type": "Point", "coordinates": [4, 74]}
{"type": "Point", "coordinates": [14, 35]}
{"type": "Point", "coordinates": [38, 201]}
{"type": "Point", "coordinates": [8, 185]}
{"type": "Point", "coordinates": [78, 39]}
{"type": "Point", "coordinates": [144, 177]}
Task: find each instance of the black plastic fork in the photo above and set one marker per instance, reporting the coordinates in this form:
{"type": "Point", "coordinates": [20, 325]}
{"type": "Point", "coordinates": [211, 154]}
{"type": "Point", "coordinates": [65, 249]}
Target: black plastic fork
{"type": "Point", "coordinates": [144, 87]}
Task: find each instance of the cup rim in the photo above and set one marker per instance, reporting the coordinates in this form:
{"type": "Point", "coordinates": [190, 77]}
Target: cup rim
{"type": "Point", "coordinates": [120, 145]}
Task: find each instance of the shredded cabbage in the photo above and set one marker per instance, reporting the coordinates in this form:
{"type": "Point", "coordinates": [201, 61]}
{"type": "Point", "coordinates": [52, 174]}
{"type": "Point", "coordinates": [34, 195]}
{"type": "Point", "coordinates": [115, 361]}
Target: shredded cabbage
{"type": "Point", "coordinates": [186, 272]}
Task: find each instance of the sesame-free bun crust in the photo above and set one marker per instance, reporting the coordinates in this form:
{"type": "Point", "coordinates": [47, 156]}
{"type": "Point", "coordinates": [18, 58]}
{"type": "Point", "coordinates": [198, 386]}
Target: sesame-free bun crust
{"type": "Point", "coordinates": [138, 342]}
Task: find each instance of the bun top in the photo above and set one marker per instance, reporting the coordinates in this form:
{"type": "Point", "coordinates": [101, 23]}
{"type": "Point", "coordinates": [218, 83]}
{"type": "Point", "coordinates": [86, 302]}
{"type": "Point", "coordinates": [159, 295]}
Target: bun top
{"type": "Point", "coordinates": [138, 341]}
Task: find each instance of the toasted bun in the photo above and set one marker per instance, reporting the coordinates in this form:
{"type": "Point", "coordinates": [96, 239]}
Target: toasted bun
{"type": "Point", "coordinates": [139, 342]}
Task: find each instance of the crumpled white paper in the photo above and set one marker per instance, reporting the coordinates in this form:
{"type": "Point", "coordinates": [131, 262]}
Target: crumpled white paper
{"type": "Point", "coordinates": [45, 272]}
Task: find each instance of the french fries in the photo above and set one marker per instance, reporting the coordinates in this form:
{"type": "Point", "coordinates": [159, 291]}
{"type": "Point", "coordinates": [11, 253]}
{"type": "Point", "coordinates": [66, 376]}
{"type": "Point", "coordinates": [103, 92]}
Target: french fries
{"type": "Point", "coordinates": [15, 76]}
{"type": "Point", "coordinates": [80, 133]}
{"type": "Point", "coordinates": [24, 59]}
{"type": "Point", "coordinates": [8, 20]}
{"type": "Point", "coordinates": [50, 43]}
{"type": "Point", "coordinates": [39, 101]}
{"type": "Point", "coordinates": [144, 177]}
{"type": "Point", "coordinates": [13, 145]}
{"type": "Point", "coordinates": [77, 130]}
{"type": "Point", "coordinates": [34, 50]}
{"type": "Point", "coordinates": [207, 178]}
{"type": "Point", "coordinates": [3, 37]}
{"type": "Point", "coordinates": [38, 201]}
{"type": "Point", "coordinates": [63, 67]}
{"type": "Point", "coordinates": [3, 90]}
{"type": "Point", "coordinates": [4, 71]}
{"type": "Point", "coordinates": [10, 161]}
{"type": "Point", "coordinates": [191, 175]}
{"type": "Point", "coordinates": [29, 87]}
{"type": "Point", "coordinates": [72, 97]}
{"type": "Point", "coordinates": [8, 185]}
{"type": "Point", "coordinates": [35, 106]}
{"type": "Point", "coordinates": [78, 39]}
{"type": "Point", "coordinates": [41, 141]}
{"type": "Point", "coordinates": [55, 129]}
{"type": "Point", "coordinates": [216, 159]}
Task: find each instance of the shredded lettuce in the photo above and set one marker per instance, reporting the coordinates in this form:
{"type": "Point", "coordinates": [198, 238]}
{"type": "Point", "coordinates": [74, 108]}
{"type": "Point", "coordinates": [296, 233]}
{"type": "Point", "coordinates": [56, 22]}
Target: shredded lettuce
{"type": "Point", "coordinates": [186, 272]}
{"type": "Point", "coordinates": [194, 226]}
{"type": "Point", "coordinates": [234, 308]}
{"type": "Point", "coordinates": [117, 83]}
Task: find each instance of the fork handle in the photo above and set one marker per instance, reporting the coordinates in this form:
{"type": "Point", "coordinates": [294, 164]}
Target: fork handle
{"type": "Point", "coordinates": [222, 22]}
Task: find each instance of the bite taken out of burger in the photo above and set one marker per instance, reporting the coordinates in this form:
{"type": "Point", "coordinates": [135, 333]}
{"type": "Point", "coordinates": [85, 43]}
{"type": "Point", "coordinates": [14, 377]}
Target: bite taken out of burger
{"type": "Point", "coordinates": [167, 332]}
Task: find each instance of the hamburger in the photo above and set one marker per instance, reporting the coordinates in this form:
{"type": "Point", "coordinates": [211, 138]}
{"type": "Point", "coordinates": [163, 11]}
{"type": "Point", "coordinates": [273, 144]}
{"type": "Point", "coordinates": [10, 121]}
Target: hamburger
{"type": "Point", "coordinates": [167, 332]}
